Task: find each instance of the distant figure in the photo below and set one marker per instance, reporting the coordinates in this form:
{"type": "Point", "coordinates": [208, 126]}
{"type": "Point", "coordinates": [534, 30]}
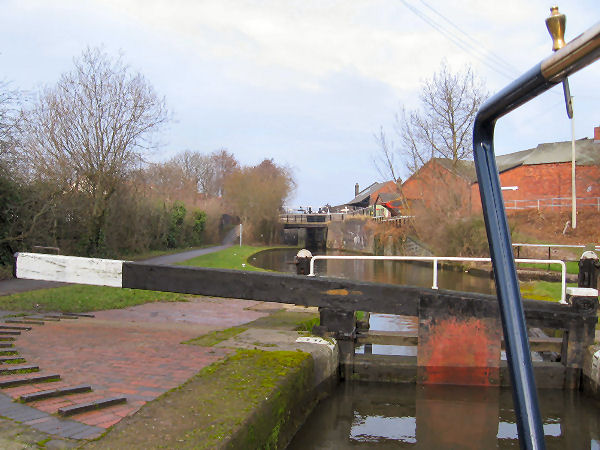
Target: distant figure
{"type": "Point", "coordinates": [309, 210]}
{"type": "Point", "coordinates": [320, 210]}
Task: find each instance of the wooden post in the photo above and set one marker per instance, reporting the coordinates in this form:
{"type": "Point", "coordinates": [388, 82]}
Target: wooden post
{"type": "Point", "coordinates": [589, 268]}
{"type": "Point", "coordinates": [302, 261]}
{"type": "Point", "coordinates": [580, 333]}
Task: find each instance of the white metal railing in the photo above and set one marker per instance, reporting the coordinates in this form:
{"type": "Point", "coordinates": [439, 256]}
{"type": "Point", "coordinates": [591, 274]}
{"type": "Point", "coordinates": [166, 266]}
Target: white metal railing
{"type": "Point", "coordinates": [556, 202]}
{"type": "Point", "coordinates": [434, 260]}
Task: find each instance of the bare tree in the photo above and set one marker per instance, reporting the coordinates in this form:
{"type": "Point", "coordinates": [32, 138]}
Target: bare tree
{"type": "Point", "coordinates": [9, 121]}
{"type": "Point", "coordinates": [257, 194]}
{"type": "Point", "coordinates": [384, 160]}
{"type": "Point", "coordinates": [203, 173]}
{"type": "Point", "coordinates": [91, 129]}
{"type": "Point", "coordinates": [442, 127]}
{"type": "Point", "coordinates": [224, 164]}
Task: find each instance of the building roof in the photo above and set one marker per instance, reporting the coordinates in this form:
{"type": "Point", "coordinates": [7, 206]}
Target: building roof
{"type": "Point", "coordinates": [587, 153]}
{"type": "Point", "coordinates": [385, 197]}
{"type": "Point", "coordinates": [462, 168]}
{"type": "Point", "coordinates": [364, 196]}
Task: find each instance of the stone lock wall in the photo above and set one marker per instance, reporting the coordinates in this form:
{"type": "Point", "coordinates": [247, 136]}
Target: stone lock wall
{"type": "Point", "coordinates": [351, 234]}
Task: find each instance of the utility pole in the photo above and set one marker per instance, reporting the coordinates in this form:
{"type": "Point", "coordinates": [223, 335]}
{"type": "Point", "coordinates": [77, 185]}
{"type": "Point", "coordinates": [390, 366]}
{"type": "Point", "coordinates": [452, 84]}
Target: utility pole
{"type": "Point", "coordinates": [556, 25]}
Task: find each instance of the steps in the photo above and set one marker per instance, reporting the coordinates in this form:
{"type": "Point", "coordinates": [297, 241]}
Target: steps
{"type": "Point", "coordinates": [28, 380]}
{"type": "Point", "coordinates": [90, 406]}
{"type": "Point", "coordinates": [27, 322]}
{"type": "Point", "coordinates": [49, 393]}
{"type": "Point", "coordinates": [8, 351]}
{"type": "Point", "coordinates": [18, 373]}
{"type": "Point", "coordinates": [9, 359]}
{"type": "Point", "coordinates": [16, 368]}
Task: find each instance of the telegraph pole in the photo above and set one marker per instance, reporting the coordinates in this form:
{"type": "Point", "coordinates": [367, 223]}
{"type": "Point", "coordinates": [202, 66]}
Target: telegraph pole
{"type": "Point", "coordinates": [556, 25]}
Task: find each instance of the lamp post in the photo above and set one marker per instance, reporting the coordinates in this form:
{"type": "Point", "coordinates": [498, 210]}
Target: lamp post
{"type": "Point", "coordinates": [556, 24]}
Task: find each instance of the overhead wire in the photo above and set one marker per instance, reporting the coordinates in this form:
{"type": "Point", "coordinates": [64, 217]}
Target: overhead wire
{"type": "Point", "coordinates": [474, 42]}
{"type": "Point", "coordinates": [468, 43]}
{"type": "Point", "coordinates": [458, 41]}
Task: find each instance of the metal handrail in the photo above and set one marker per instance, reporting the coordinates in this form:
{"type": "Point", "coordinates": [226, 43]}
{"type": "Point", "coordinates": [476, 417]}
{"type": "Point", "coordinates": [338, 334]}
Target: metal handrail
{"type": "Point", "coordinates": [435, 259]}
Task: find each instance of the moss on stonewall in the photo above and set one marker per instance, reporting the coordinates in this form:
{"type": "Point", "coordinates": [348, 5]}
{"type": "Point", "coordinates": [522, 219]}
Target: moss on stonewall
{"type": "Point", "coordinates": [249, 400]}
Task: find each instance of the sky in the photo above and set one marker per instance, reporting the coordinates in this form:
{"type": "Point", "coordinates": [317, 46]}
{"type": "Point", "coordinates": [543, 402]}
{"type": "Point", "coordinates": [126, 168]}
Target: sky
{"type": "Point", "coordinates": [305, 82]}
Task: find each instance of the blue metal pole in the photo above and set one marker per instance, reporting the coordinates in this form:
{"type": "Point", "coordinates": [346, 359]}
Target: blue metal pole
{"type": "Point", "coordinates": [531, 433]}
{"type": "Point", "coordinates": [582, 51]}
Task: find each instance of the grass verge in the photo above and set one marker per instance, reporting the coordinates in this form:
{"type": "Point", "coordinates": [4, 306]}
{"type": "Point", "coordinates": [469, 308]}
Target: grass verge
{"type": "Point", "coordinates": [80, 298]}
{"type": "Point", "coordinates": [543, 290]}
{"type": "Point", "coordinates": [211, 339]}
{"type": "Point", "coordinates": [278, 320]}
{"type": "Point", "coordinates": [245, 401]}
{"type": "Point", "coordinates": [234, 257]}
{"type": "Point", "coordinates": [572, 267]}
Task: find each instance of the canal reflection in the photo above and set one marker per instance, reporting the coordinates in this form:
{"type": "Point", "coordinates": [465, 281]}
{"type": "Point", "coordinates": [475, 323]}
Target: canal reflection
{"type": "Point", "coordinates": [380, 415]}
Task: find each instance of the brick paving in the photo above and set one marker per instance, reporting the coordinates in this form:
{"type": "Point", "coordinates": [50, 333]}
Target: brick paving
{"type": "Point", "coordinates": [134, 352]}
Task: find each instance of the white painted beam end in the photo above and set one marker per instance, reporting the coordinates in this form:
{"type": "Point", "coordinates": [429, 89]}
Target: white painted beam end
{"type": "Point", "coordinates": [70, 269]}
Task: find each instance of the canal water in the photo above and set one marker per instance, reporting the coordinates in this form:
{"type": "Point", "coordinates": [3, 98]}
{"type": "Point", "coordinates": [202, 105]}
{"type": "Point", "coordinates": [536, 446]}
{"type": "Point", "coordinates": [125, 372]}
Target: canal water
{"type": "Point", "coordinates": [384, 415]}
{"type": "Point", "coordinates": [395, 272]}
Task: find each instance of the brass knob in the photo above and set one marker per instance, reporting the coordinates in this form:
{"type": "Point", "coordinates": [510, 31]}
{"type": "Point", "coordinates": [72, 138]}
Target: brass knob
{"type": "Point", "coordinates": [556, 27]}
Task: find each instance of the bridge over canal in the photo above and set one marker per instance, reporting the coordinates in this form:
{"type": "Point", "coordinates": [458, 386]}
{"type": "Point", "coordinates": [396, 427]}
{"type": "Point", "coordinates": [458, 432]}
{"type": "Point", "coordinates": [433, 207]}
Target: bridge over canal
{"type": "Point", "coordinates": [311, 230]}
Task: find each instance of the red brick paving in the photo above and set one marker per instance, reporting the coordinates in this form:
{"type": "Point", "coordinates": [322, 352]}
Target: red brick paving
{"type": "Point", "coordinates": [135, 352]}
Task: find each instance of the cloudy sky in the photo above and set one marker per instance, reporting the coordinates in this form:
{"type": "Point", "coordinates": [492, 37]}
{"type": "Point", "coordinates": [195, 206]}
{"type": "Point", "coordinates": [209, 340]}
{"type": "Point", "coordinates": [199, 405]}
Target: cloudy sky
{"type": "Point", "coordinates": [306, 82]}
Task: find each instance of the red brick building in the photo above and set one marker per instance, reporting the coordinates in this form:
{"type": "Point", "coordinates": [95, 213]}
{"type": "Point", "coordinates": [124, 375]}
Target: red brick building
{"type": "Point", "coordinates": [441, 184]}
{"type": "Point", "coordinates": [541, 177]}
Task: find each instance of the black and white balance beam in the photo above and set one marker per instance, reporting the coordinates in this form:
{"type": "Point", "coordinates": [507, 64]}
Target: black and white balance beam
{"type": "Point", "coordinates": [334, 293]}
{"type": "Point", "coordinates": [346, 295]}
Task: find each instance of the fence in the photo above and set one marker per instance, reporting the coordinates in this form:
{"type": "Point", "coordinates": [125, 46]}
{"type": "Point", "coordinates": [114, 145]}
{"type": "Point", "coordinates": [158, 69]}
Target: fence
{"type": "Point", "coordinates": [550, 247]}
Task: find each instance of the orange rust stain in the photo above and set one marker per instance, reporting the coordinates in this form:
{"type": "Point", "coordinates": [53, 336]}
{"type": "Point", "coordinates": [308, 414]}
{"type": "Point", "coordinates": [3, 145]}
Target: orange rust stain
{"type": "Point", "coordinates": [342, 292]}
{"type": "Point", "coordinates": [337, 292]}
{"type": "Point", "coordinates": [461, 351]}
